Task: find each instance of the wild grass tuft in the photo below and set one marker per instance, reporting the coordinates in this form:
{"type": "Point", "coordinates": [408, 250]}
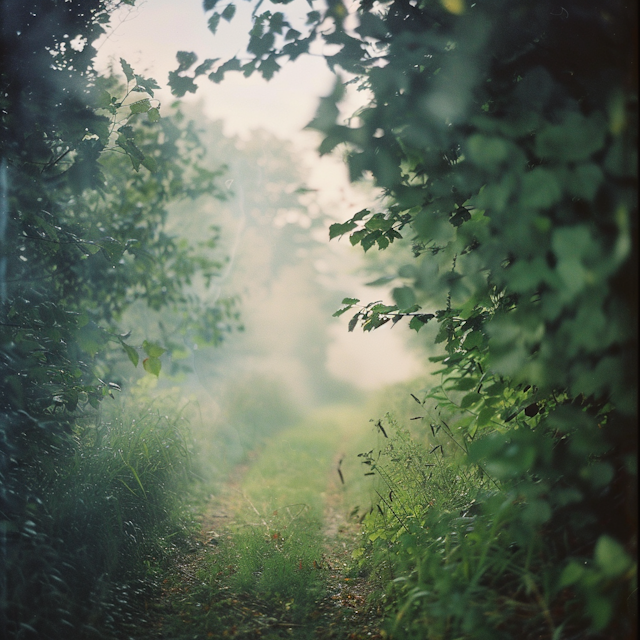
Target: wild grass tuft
{"type": "Point", "coordinates": [104, 508]}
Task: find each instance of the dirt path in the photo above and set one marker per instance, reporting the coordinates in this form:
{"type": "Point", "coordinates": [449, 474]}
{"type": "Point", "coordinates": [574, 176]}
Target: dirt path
{"type": "Point", "coordinates": [195, 604]}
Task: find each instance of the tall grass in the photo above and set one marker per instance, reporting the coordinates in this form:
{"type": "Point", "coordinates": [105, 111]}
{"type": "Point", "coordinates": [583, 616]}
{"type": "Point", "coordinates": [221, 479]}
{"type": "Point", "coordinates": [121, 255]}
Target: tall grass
{"type": "Point", "coordinates": [278, 538]}
{"type": "Point", "coordinates": [459, 555]}
{"type": "Point", "coordinates": [103, 506]}
{"type": "Point", "coordinates": [437, 560]}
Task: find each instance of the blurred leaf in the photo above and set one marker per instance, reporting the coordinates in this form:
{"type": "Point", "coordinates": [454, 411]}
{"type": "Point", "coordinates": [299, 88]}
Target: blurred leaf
{"type": "Point", "coordinates": [152, 365]}
{"type": "Point", "coordinates": [152, 349]}
{"type": "Point", "coordinates": [228, 12]}
{"type": "Point", "coordinates": [132, 354]}
{"type": "Point", "coordinates": [611, 557]}
{"type": "Point", "coordinates": [404, 297]}
{"type": "Point", "coordinates": [213, 23]}
{"type": "Point", "coordinates": [571, 574]}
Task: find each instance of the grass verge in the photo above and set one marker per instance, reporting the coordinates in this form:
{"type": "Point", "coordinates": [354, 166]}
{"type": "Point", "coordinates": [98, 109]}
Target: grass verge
{"type": "Point", "coordinates": [103, 505]}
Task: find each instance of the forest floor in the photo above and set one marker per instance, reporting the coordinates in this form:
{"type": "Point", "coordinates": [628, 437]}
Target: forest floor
{"type": "Point", "coordinates": [316, 592]}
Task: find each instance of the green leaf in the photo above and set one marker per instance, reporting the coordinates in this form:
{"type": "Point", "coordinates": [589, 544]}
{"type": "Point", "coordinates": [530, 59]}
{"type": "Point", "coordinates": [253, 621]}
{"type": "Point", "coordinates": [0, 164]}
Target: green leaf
{"type": "Point", "coordinates": [127, 69]}
{"type": "Point", "coordinates": [470, 399]}
{"type": "Point", "coordinates": [152, 365]}
{"type": "Point", "coordinates": [228, 12]}
{"type": "Point", "coordinates": [611, 557]}
{"type": "Point", "coordinates": [132, 354]}
{"type": "Point", "coordinates": [379, 221]}
{"type": "Point", "coordinates": [149, 162]}
{"type": "Point", "coordinates": [185, 60]}
{"type": "Point", "coordinates": [404, 297]}
{"type": "Point", "coordinates": [268, 67]}
{"type": "Point", "coordinates": [473, 339]}
{"type": "Point", "coordinates": [487, 152]}
{"type": "Point", "coordinates": [383, 308]}
{"type": "Point", "coordinates": [417, 323]}
{"type": "Point", "coordinates": [292, 34]}
{"type": "Point", "coordinates": [575, 139]}
{"type": "Point", "coordinates": [339, 312]}
{"type": "Point", "coordinates": [357, 237]}
{"type": "Point", "coordinates": [181, 84]}
{"type": "Point", "coordinates": [540, 189]}
{"type": "Point", "coordinates": [141, 106]}
{"type": "Point", "coordinates": [354, 321]}
{"type": "Point", "coordinates": [486, 416]}
{"type": "Point", "coordinates": [153, 114]}
{"type": "Point", "coordinates": [104, 100]}
{"type": "Point", "coordinates": [209, 4]}
{"type": "Point", "coordinates": [152, 349]}
{"type": "Point", "coordinates": [213, 23]}
{"type": "Point", "coordinates": [146, 85]}
{"type": "Point", "coordinates": [204, 67]}
{"type": "Point", "coordinates": [585, 181]}
{"type": "Point", "coordinates": [369, 240]}
{"type": "Point", "coordinates": [350, 301]}
{"type": "Point", "coordinates": [380, 281]}
{"type": "Point", "coordinates": [383, 242]}
{"type": "Point", "coordinates": [571, 574]}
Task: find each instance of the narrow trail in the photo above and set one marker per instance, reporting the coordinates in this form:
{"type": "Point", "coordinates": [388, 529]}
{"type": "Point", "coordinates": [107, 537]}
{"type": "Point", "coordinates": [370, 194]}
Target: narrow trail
{"type": "Point", "coordinates": [201, 599]}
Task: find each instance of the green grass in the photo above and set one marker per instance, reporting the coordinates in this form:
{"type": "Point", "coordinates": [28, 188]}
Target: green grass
{"type": "Point", "coordinates": [270, 563]}
{"type": "Point", "coordinates": [456, 555]}
{"type": "Point", "coordinates": [104, 505]}
{"type": "Point", "coordinates": [279, 532]}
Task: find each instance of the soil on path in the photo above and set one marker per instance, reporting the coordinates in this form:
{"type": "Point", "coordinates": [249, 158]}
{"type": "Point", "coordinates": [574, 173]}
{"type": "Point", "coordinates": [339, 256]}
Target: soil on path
{"type": "Point", "coordinates": [342, 614]}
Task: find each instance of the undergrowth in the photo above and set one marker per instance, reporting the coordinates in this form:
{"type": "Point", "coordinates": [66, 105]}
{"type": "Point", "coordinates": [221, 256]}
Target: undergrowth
{"type": "Point", "coordinates": [457, 554]}
{"type": "Point", "coordinates": [103, 507]}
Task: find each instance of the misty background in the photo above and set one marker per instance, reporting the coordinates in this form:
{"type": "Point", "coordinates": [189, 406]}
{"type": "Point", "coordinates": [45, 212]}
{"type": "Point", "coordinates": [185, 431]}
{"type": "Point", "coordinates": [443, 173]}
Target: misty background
{"type": "Point", "coordinates": [286, 354]}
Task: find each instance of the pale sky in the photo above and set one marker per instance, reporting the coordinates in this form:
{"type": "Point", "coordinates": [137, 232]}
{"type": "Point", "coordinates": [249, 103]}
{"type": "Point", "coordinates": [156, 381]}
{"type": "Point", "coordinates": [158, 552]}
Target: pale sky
{"type": "Point", "coordinates": [148, 37]}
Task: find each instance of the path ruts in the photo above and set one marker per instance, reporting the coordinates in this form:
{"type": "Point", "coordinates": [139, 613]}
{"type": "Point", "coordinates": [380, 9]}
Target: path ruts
{"type": "Point", "coordinates": [198, 604]}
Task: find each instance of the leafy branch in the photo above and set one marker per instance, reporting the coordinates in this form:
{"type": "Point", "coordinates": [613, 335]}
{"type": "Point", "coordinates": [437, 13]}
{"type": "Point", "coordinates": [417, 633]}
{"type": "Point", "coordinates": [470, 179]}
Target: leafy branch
{"type": "Point", "coordinates": [375, 314]}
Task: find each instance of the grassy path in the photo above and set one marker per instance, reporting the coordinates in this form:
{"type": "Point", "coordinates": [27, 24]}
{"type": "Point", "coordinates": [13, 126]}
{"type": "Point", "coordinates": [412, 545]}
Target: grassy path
{"type": "Point", "coordinates": [273, 559]}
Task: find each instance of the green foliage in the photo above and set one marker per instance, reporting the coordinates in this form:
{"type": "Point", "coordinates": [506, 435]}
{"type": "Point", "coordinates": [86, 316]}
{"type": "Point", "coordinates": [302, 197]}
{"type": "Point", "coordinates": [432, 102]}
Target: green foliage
{"type": "Point", "coordinates": [458, 554]}
{"type": "Point", "coordinates": [89, 247]}
{"type": "Point", "coordinates": [87, 170]}
{"type": "Point", "coordinates": [504, 142]}
{"type": "Point", "coordinates": [102, 504]}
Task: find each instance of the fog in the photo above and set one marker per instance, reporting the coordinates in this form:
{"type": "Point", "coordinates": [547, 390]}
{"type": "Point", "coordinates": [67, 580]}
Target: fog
{"type": "Point", "coordinates": [285, 277]}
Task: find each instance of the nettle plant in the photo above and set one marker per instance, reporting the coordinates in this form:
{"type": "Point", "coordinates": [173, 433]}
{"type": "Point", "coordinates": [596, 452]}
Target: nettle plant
{"type": "Point", "coordinates": [504, 139]}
